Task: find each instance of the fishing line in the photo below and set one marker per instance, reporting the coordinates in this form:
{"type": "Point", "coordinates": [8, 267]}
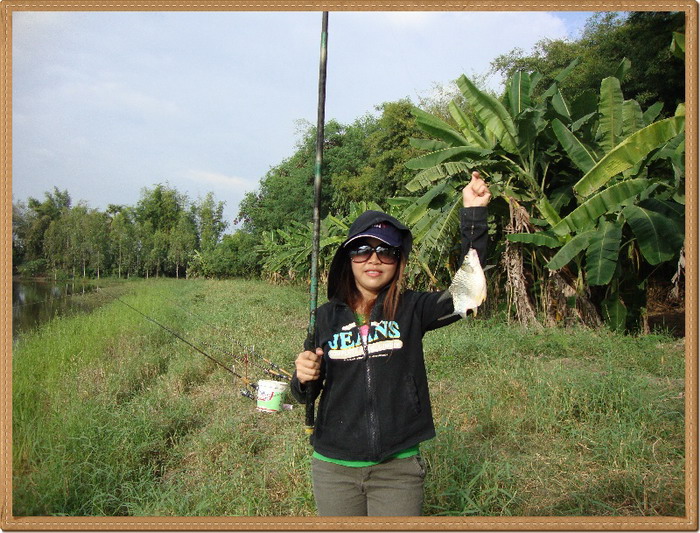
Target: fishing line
{"type": "Point", "coordinates": [248, 350]}
{"type": "Point", "coordinates": [174, 334]}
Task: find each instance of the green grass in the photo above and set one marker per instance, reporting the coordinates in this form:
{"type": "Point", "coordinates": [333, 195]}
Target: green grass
{"type": "Point", "coordinates": [114, 416]}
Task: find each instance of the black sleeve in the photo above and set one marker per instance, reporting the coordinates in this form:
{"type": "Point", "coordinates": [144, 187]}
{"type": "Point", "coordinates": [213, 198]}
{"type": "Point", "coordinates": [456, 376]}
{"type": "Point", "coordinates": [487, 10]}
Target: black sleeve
{"type": "Point", "coordinates": [474, 232]}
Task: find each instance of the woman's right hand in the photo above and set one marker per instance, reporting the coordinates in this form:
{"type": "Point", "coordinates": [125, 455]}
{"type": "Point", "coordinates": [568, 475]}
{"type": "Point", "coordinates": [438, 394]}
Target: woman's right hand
{"type": "Point", "coordinates": [308, 366]}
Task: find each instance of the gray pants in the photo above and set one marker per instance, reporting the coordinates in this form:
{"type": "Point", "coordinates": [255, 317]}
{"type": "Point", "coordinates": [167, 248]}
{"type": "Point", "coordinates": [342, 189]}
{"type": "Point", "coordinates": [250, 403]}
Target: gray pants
{"type": "Point", "coordinates": [392, 488]}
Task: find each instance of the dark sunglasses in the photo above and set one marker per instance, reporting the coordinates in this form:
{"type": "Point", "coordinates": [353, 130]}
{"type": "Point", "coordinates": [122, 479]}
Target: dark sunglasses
{"type": "Point", "coordinates": [388, 255]}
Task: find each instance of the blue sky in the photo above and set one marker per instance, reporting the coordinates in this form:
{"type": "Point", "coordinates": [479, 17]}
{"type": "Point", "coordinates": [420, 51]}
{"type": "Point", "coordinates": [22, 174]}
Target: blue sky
{"type": "Point", "coordinates": [106, 103]}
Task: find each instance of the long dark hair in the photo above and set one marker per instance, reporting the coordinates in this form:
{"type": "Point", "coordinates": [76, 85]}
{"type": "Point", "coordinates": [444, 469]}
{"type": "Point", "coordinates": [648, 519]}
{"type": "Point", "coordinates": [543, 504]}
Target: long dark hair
{"type": "Point", "coordinates": [349, 293]}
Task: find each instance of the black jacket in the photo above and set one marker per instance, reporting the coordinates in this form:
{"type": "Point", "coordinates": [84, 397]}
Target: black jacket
{"type": "Point", "coordinates": [375, 400]}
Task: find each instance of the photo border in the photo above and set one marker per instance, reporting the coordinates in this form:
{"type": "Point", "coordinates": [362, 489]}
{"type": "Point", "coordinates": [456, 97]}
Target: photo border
{"type": "Point", "coordinates": [12, 523]}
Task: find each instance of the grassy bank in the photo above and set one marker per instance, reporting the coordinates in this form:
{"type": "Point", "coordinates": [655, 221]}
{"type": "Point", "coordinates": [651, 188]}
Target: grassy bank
{"type": "Point", "coordinates": [114, 416]}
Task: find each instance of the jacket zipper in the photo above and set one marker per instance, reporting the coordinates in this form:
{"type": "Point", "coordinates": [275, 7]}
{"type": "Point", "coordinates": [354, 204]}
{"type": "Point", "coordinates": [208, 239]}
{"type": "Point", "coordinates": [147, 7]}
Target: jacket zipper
{"type": "Point", "coordinates": [373, 426]}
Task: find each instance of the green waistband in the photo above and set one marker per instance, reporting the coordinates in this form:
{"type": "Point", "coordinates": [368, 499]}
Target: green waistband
{"type": "Point", "coordinates": [409, 452]}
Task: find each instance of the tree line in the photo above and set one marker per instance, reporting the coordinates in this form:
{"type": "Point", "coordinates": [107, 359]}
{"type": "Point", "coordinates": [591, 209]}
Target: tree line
{"type": "Point", "coordinates": [160, 236]}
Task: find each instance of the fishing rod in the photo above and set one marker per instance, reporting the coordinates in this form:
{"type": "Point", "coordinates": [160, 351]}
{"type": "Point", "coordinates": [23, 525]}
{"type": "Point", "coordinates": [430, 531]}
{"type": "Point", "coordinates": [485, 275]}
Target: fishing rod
{"type": "Point", "coordinates": [277, 371]}
{"type": "Point", "coordinates": [245, 381]}
{"type": "Point", "coordinates": [267, 371]}
{"type": "Point", "coordinates": [314, 387]}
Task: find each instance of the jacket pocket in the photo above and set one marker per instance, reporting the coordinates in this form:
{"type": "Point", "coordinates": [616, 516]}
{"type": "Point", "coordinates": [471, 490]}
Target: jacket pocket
{"type": "Point", "coordinates": [412, 393]}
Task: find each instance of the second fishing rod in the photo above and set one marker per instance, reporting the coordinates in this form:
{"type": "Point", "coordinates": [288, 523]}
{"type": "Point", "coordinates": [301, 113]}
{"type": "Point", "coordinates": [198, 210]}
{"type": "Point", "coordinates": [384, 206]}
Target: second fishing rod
{"type": "Point", "coordinates": [248, 355]}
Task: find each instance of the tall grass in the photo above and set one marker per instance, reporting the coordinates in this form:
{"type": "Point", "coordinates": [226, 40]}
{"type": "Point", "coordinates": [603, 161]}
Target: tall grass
{"type": "Point", "coordinates": [114, 416]}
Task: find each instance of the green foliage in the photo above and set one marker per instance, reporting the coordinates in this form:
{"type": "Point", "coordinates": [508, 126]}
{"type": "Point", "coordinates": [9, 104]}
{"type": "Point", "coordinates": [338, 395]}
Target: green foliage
{"type": "Point", "coordinates": [625, 160]}
{"type": "Point", "coordinates": [209, 220]}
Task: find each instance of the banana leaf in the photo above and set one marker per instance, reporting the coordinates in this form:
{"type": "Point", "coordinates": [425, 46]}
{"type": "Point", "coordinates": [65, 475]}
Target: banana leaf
{"type": "Point", "coordinates": [560, 197]}
{"type": "Point", "coordinates": [585, 104]}
{"type": "Point", "coordinates": [535, 78]}
{"type": "Point", "coordinates": [629, 152]}
{"type": "Point", "coordinates": [541, 238]}
{"type": "Point", "coordinates": [610, 109]}
{"type": "Point", "coordinates": [669, 209]}
{"type": "Point", "coordinates": [632, 117]}
{"type": "Point", "coordinates": [438, 128]}
{"type": "Point", "coordinates": [491, 113]}
{"type": "Point", "coordinates": [467, 127]}
{"type": "Point", "coordinates": [608, 200]}
{"type": "Point", "coordinates": [560, 106]}
{"type": "Point", "coordinates": [548, 212]}
{"type": "Point", "coordinates": [559, 78]}
{"type": "Point", "coordinates": [430, 145]}
{"type": "Point", "coordinates": [659, 236]}
{"type": "Point", "coordinates": [576, 125]}
{"type": "Point", "coordinates": [649, 116]}
{"type": "Point", "coordinates": [441, 156]}
{"type": "Point", "coordinates": [582, 157]}
{"type": "Point", "coordinates": [623, 68]}
{"type": "Point", "coordinates": [602, 253]}
{"type": "Point", "coordinates": [678, 45]}
{"type": "Point", "coordinates": [671, 149]}
{"type": "Point", "coordinates": [566, 71]}
{"type": "Point", "coordinates": [570, 250]}
{"type": "Point", "coordinates": [422, 205]}
{"type": "Point", "coordinates": [519, 93]}
{"type": "Point", "coordinates": [435, 233]}
{"type": "Point", "coordinates": [529, 124]}
{"type": "Point", "coordinates": [429, 176]}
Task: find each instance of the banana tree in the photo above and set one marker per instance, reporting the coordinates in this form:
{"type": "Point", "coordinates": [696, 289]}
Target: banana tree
{"type": "Point", "coordinates": [592, 174]}
{"type": "Point", "coordinates": [628, 205]}
{"type": "Point", "coordinates": [508, 140]}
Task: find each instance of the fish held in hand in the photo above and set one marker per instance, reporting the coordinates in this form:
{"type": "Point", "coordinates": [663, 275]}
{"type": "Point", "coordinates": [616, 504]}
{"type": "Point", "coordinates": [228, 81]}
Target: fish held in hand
{"type": "Point", "coordinates": [468, 288]}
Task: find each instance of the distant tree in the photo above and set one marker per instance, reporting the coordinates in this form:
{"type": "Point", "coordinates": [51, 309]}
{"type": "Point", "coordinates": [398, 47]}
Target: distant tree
{"type": "Point", "coordinates": [122, 239]}
{"type": "Point", "coordinates": [161, 206]}
{"type": "Point", "coordinates": [38, 218]}
{"type": "Point", "coordinates": [345, 163]}
{"type": "Point", "coordinates": [19, 226]}
{"type": "Point", "coordinates": [362, 161]}
{"type": "Point", "coordinates": [209, 217]}
{"type": "Point", "coordinates": [145, 238]}
{"type": "Point", "coordinates": [235, 256]}
{"type": "Point", "coordinates": [54, 247]}
{"type": "Point", "coordinates": [95, 240]}
{"type": "Point", "coordinates": [389, 148]}
{"type": "Point", "coordinates": [183, 240]}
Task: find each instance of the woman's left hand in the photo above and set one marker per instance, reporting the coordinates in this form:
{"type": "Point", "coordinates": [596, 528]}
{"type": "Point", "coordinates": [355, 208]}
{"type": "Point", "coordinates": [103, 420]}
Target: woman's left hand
{"type": "Point", "coordinates": [476, 193]}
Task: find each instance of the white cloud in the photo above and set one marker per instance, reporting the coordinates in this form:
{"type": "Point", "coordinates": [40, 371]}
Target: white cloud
{"type": "Point", "coordinates": [115, 95]}
{"type": "Point", "coordinates": [220, 180]}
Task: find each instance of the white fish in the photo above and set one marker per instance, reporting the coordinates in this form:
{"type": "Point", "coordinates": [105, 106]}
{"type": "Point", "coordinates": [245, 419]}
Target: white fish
{"type": "Point", "coordinates": [468, 287]}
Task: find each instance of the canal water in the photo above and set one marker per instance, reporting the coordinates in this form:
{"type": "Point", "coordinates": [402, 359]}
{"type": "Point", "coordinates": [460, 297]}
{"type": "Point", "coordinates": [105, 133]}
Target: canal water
{"type": "Point", "coordinates": [36, 302]}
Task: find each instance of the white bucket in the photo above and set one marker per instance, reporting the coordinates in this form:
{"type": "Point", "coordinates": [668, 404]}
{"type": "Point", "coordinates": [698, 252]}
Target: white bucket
{"type": "Point", "coordinates": [270, 394]}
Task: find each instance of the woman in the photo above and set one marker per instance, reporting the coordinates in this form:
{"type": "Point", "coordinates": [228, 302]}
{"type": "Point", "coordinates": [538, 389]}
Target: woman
{"type": "Point", "coordinates": [367, 356]}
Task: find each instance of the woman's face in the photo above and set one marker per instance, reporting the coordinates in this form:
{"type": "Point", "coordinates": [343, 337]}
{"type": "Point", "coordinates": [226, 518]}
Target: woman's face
{"type": "Point", "coordinates": [372, 275]}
